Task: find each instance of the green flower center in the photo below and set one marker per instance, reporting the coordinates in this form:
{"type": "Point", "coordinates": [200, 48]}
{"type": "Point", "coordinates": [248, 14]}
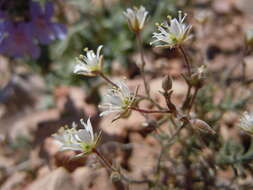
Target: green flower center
{"type": "Point", "coordinates": [173, 38]}
{"type": "Point", "coordinates": [126, 102]}
{"type": "Point", "coordinates": [87, 147]}
{"type": "Point", "coordinates": [94, 67]}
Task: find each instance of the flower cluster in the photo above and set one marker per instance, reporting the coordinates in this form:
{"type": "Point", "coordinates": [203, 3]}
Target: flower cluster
{"type": "Point", "coordinates": [172, 34]}
{"type": "Point", "coordinates": [119, 100]}
{"type": "Point", "coordinates": [82, 140]}
{"type": "Point", "coordinates": [246, 122]}
{"type": "Point", "coordinates": [20, 37]}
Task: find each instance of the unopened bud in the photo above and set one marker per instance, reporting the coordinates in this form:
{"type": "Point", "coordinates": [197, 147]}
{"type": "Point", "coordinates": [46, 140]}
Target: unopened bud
{"type": "Point", "coordinates": [115, 176]}
{"type": "Point", "coordinates": [167, 83]}
{"type": "Point", "coordinates": [202, 126]}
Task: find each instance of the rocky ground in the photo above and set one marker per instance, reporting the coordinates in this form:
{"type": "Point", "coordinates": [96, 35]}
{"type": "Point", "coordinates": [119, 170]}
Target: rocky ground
{"type": "Point", "coordinates": [29, 158]}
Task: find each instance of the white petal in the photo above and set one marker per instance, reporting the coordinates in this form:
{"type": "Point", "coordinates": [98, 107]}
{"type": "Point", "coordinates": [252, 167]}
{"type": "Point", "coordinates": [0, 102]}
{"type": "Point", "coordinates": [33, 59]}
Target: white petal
{"type": "Point", "coordinates": [99, 50]}
{"type": "Point", "coordinates": [71, 147]}
{"type": "Point", "coordinates": [83, 135]}
{"type": "Point", "coordinates": [90, 129]}
{"type": "Point", "coordinates": [108, 112]}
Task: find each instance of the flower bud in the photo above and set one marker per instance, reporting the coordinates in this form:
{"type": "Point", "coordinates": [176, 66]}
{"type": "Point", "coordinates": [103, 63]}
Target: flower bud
{"type": "Point", "coordinates": [136, 18]}
{"type": "Point", "coordinates": [167, 83]}
{"type": "Point", "coordinates": [115, 176]}
{"type": "Point", "coordinates": [202, 126]}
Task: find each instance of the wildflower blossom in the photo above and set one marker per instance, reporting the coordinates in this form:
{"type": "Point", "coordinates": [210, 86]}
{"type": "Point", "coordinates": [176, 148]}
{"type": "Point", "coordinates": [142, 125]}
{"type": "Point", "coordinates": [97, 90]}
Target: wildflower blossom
{"type": "Point", "coordinates": [43, 28]}
{"type": "Point", "coordinates": [118, 100]}
{"type": "Point", "coordinates": [18, 41]}
{"type": "Point", "coordinates": [83, 140]}
{"type": "Point", "coordinates": [136, 18]}
{"type": "Point", "coordinates": [246, 122]}
{"type": "Point", "coordinates": [173, 34]}
{"type": "Point", "coordinates": [91, 64]}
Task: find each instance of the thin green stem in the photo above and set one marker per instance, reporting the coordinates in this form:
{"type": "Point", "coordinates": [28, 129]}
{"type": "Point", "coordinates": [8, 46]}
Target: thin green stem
{"type": "Point", "coordinates": [187, 97]}
{"type": "Point", "coordinates": [149, 111]}
{"type": "Point", "coordinates": [151, 100]}
{"type": "Point", "coordinates": [108, 80]}
{"type": "Point", "coordinates": [186, 59]}
{"type": "Point", "coordinates": [193, 98]}
{"type": "Point", "coordinates": [104, 161]}
{"type": "Point", "coordinates": [108, 165]}
{"type": "Point", "coordinates": [177, 131]}
{"type": "Point", "coordinates": [143, 63]}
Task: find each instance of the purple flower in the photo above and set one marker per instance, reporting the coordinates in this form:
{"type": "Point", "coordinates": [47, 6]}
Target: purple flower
{"type": "Point", "coordinates": [43, 28]}
{"type": "Point", "coordinates": [2, 32]}
{"type": "Point", "coordinates": [2, 26]}
{"type": "Point", "coordinates": [18, 41]}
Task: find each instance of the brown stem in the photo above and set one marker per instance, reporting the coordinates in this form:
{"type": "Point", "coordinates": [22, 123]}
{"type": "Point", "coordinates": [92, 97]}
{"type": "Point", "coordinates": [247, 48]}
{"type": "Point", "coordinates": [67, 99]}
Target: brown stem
{"type": "Point", "coordinates": [243, 70]}
{"type": "Point", "coordinates": [143, 63]}
{"type": "Point", "coordinates": [150, 111]}
{"type": "Point", "coordinates": [193, 98]}
{"type": "Point", "coordinates": [105, 162]}
{"type": "Point", "coordinates": [186, 59]}
{"type": "Point", "coordinates": [177, 131]}
{"type": "Point", "coordinates": [151, 100]}
{"type": "Point", "coordinates": [168, 144]}
{"type": "Point", "coordinates": [108, 80]}
{"type": "Point", "coordinates": [108, 165]}
{"type": "Point", "coordinates": [186, 101]}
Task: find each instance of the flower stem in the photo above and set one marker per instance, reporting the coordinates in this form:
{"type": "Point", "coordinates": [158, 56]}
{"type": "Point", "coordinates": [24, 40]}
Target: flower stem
{"type": "Point", "coordinates": [187, 97]}
{"type": "Point", "coordinates": [193, 98]}
{"type": "Point", "coordinates": [108, 80]}
{"type": "Point", "coordinates": [108, 165]}
{"type": "Point", "coordinates": [150, 111]}
{"type": "Point", "coordinates": [143, 63]}
{"type": "Point", "coordinates": [105, 162]}
{"type": "Point", "coordinates": [176, 133]}
{"type": "Point", "coordinates": [186, 59]}
{"type": "Point", "coordinates": [151, 100]}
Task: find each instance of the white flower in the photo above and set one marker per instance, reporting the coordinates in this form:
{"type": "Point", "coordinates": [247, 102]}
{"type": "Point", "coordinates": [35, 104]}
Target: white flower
{"type": "Point", "coordinates": [136, 18]}
{"type": "Point", "coordinates": [246, 122]}
{"type": "Point", "coordinates": [82, 140]}
{"type": "Point", "coordinates": [118, 100]}
{"type": "Point", "coordinates": [172, 34]}
{"type": "Point", "coordinates": [91, 64]}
